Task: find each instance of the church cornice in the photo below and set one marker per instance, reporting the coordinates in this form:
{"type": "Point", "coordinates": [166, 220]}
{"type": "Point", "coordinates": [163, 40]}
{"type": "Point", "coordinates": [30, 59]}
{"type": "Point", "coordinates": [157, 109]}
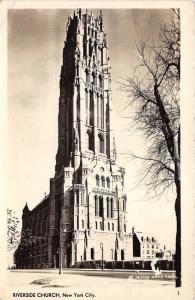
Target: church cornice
{"type": "Point", "coordinates": [106, 192]}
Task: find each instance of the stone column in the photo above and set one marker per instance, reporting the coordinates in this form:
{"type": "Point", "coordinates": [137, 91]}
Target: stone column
{"type": "Point", "coordinates": [104, 213]}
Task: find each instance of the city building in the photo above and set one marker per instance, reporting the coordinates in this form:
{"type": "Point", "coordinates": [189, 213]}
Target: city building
{"type": "Point", "coordinates": [84, 216]}
{"type": "Point", "coordinates": [145, 245]}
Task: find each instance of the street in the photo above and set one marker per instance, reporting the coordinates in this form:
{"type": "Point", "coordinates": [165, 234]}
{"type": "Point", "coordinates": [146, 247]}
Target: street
{"type": "Point", "coordinates": [49, 284]}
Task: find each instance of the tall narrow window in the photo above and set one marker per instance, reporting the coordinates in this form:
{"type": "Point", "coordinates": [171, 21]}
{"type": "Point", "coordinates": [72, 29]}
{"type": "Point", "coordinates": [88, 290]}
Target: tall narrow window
{"type": "Point", "coordinates": [90, 140]}
{"type": "Point", "coordinates": [123, 204]}
{"type": "Point", "coordinates": [108, 182]}
{"type": "Point", "coordinates": [100, 82]}
{"type": "Point", "coordinates": [91, 110]}
{"type": "Point", "coordinates": [108, 226]}
{"type": "Point", "coordinates": [90, 47]}
{"type": "Point", "coordinates": [107, 131]}
{"type": "Point", "coordinates": [98, 111]}
{"type": "Point", "coordinates": [86, 105]}
{"type": "Point", "coordinates": [93, 74]}
{"type": "Point", "coordinates": [101, 206]}
{"type": "Point", "coordinates": [77, 222]}
{"type": "Point", "coordinates": [101, 144]}
{"type": "Point", "coordinates": [77, 70]}
{"type": "Point", "coordinates": [87, 76]}
{"type": "Point", "coordinates": [84, 47]}
{"type": "Point", "coordinates": [101, 56]}
{"type": "Point", "coordinates": [96, 206]}
{"type": "Point", "coordinates": [101, 112]}
{"type": "Point", "coordinates": [92, 254]}
{"type": "Point", "coordinates": [97, 180]}
{"type": "Point", "coordinates": [122, 254]}
{"type": "Point", "coordinates": [108, 202]}
{"type": "Point", "coordinates": [82, 223]}
{"type": "Point", "coordinates": [112, 208]}
{"type": "Point", "coordinates": [103, 181]}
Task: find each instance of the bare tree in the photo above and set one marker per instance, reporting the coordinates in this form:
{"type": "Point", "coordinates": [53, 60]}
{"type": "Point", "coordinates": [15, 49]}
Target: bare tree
{"type": "Point", "coordinates": [13, 235]}
{"type": "Point", "coordinates": [153, 92]}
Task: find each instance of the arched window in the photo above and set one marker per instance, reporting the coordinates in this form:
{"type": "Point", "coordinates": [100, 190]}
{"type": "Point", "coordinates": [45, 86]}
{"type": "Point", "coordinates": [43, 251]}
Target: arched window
{"type": "Point", "coordinates": [100, 225]}
{"type": "Point", "coordinates": [122, 254]}
{"type": "Point", "coordinates": [98, 111]}
{"type": "Point", "coordinates": [91, 110]}
{"type": "Point", "coordinates": [86, 105]}
{"type": "Point", "coordinates": [147, 239]}
{"type": "Point", "coordinates": [124, 228]}
{"type": "Point", "coordinates": [96, 206]}
{"type": "Point", "coordinates": [93, 75]}
{"type": "Point", "coordinates": [108, 226]}
{"type": "Point", "coordinates": [77, 70]}
{"type": "Point", "coordinates": [100, 206]}
{"type": "Point", "coordinates": [87, 76]}
{"type": "Point", "coordinates": [142, 238]}
{"type": "Point", "coordinates": [112, 207]}
{"type": "Point", "coordinates": [82, 223]}
{"type": "Point", "coordinates": [124, 204]}
{"type": "Point", "coordinates": [108, 208]}
{"type": "Point", "coordinates": [112, 226]}
{"type": "Point", "coordinates": [92, 254]}
{"type": "Point", "coordinates": [101, 51]}
{"type": "Point", "coordinates": [100, 82]}
{"type": "Point", "coordinates": [103, 181]}
{"type": "Point", "coordinates": [101, 112]}
{"type": "Point", "coordinates": [90, 140]}
{"type": "Point", "coordinates": [84, 47]}
{"type": "Point", "coordinates": [97, 180]}
{"type": "Point", "coordinates": [108, 182]}
{"type": "Point", "coordinates": [101, 144]}
{"type": "Point", "coordinates": [90, 47]}
{"type": "Point", "coordinates": [77, 222]}
{"type": "Point", "coordinates": [96, 225]}
{"type": "Point", "coordinates": [77, 197]}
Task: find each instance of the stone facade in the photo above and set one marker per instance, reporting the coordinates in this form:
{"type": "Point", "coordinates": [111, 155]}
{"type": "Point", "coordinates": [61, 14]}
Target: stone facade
{"type": "Point", "coordinates": [86, 207]}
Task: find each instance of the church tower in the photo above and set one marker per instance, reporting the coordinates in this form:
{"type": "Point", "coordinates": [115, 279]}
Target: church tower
{"type": "Point", "coordinates": [87, 197]}
{"type": "Point", "coordinates": [85, 92]}
{"type": "Point", "coordinates": [87, 202]}
{"type": "Point", "coordinates": [84, 218]}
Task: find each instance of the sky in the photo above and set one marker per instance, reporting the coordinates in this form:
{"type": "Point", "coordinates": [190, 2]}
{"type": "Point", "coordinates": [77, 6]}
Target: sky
{"type": "Point", "coordinates": [35, 43]}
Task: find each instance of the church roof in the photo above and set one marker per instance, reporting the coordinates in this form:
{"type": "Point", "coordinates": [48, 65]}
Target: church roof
{"type": "Point", "coordinates": [44, 201]}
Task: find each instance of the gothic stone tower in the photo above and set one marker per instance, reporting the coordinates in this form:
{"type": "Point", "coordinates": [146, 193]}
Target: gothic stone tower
{"type": "Point", "coordinates": [86, 207]}
{"type": "Point", "coordinates": [87, 202]}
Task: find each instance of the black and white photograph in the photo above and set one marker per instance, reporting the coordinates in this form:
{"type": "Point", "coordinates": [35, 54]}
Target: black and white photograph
{"type": "Point", "coordinates": [95, 128]}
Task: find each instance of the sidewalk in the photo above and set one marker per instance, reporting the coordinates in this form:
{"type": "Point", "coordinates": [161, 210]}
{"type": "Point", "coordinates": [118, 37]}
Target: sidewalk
{"type": "Point", "coordinates": [115, 273]}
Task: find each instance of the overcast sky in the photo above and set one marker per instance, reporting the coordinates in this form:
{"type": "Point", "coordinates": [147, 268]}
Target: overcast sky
{"type": "Point", "coordinates": [35, 43]}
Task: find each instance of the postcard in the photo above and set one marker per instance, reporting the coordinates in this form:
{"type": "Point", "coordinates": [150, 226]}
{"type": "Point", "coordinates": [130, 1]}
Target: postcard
{"type": "Point", "coordinates": [97, 164]}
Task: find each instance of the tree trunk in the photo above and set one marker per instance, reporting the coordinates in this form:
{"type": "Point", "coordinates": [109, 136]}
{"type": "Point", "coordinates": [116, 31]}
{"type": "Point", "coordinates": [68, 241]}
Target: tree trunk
{"type": "Point", "coordinates": [178, 210]}
{"type": "Point", "coordinates": [178, 237]}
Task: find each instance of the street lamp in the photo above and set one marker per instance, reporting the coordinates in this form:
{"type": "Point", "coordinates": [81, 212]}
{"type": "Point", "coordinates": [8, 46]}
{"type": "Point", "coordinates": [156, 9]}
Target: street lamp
{"type": "Point", "coordinates": [60, 247]}
{"type": "Point", "coordinates": [102, 248]}
{"type": "Point", "coordinates": [112, 250]}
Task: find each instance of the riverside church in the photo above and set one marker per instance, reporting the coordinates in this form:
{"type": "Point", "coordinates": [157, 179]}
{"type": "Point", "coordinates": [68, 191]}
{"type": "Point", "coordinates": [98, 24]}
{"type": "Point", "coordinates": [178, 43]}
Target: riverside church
{"type": "Point", "coordinates": [83, 219]}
